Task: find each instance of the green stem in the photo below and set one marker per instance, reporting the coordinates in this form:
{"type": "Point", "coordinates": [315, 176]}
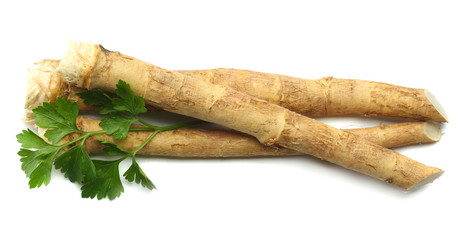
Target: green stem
{"type": "Point", "coordinates": [82, 138]}
{"type": "Point", "coordinates": [147, 124]}
{"type": "Point", "coordinates": [144, 143]}
{"type": "Point", "coordinates": [157, 130]}
{"type": "Point", "coordinates": [180, 125]}
{"type": "Point", "coordinates": [142, 129]}
{"type": "Point", "coordinates": [96, 132]}
{"type": "Point", "coordinates": [123, 158]}
{"type": "Point", "coordinates": [151, 127]}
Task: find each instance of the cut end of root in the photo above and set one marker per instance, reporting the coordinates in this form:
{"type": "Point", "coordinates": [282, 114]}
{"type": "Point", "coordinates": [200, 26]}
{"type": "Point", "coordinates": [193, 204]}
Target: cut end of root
{"type": "Point", "coordinates": [426, 180]}
{"type": "Point", "coordinates": [437, 106]}
{"type": "Point", "coordinates": [432, 131]}
{"type": "Point", "coordinates": [77, 62]}
{"type": "Point", "coordinates": [43, 86]}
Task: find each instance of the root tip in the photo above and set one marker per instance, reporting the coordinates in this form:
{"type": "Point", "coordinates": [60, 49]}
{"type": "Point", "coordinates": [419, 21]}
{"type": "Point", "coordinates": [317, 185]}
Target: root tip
{"type": "Point", "coordinates": [426, 180]}
{"type": "Point", "coordinates": [432, 131]}
{"type": "Point", "coordinates": [443, 115]}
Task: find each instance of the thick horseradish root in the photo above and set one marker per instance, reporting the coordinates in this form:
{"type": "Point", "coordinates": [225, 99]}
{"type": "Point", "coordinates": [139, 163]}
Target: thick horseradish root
{"type": "Point", "coordinates": [314, 98]}
{"type": "Point", "coordinates": [191, 143]}
{"type": "Point", "coordinates": [91, 66]}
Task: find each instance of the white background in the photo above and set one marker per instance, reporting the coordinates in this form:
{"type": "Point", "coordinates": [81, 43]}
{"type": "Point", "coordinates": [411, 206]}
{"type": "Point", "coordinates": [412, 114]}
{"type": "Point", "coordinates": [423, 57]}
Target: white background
{"type": "Point", "coordinates": [409, 43]}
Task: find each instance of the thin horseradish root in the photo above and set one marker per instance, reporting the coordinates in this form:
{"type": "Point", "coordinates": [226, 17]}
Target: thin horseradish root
{"type": "Point", "coordinates": [314, 98]}
{"type": "Point", "coordinates": [91, 66]}
{"type": "Point", "coordinates": [328, 96]}
{"type": "Point", "coordinates": [191, 143]}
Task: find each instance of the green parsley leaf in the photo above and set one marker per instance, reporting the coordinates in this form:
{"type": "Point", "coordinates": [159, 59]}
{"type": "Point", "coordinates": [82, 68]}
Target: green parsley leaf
{"type": "Point", "coordinates": [135, 172]}
{"type": "Point", "coordinates": [29, 139]}
{"type": "Point", "coordinates": [128, 102]}
{"type": "Point", "coordinates": [107, 182]}
{"type": "Point", "coordinates": [36, 164]}
{"type": "Point", "coordinates": [61, 118]}
{"type": "Point", "coordinates": [99, 99]}
{"type": "Point", "coordinates": [29, 160]}
{"type": "Point", "coordinates": [76, 164]}
{"type": "Point", "coordinates": [42, 173]}
{"type": "Point", "coordinates": [112, 149]}
{"type": "Point", "coordinates": [117, 125]}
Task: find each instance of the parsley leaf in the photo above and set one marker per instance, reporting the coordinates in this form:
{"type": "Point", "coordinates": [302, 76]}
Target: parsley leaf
{"type": "Point", "coordinates": [42, 173]}
{"type": "Point", "coordinates": [99, 99]}
{"type": "Point", "coordinates": [107, 182]}
{"type": "Point", "coordinates": [29, 139]}
{"type": "Point", "coordinates": [135, 173]}
{"type": "Point", "coordinates": [128, 102]}
{"type": "Point", "coordinates": [29, 160]}
{"type": "Point", "coordinates": [117, 125]}
{"type": "Point", "coordinates": [36, 164]}
{"type": "Point", "coordinates": [112, 149]}
{"type": "Point", "coordinates": [76, 164]}
{"type": "Point", "coordinates": [60, 118]}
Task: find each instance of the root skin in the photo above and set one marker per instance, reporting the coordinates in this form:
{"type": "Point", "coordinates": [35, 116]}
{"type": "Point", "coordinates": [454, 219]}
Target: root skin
{"type": "Point", "coordinates": [91, 66]}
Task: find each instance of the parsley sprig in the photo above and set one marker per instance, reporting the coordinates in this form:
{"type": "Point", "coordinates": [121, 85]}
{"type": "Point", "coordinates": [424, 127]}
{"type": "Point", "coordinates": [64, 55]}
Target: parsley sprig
{"type": "Point", "coordinates": [99, 178]}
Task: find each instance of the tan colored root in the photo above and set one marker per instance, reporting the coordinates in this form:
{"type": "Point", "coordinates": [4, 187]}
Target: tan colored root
{"type": "Point", "coordinates": [328, 96]}
{"type": "Point", "coordinates": [91, 66]}
{"type": "Point", "coordinates": [400, 134]}
{"type": "Point", "coordinates": [314, 98]}
{"type": "Point", "coordinates": [187, 143]}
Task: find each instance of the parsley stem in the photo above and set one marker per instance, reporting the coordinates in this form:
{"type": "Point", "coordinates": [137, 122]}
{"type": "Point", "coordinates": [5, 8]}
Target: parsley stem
{"type": "Point", "coordinates": [147, 124]}
{"type": "Point", "coordinates": [157, 130]}
{"type": "Point", "coordinates": [83, 137]}
{"type": "Point", "coordinates": [145, 143]}
{"type": "Point", "coordinates": [123, 158]}
{"type": "Point", "coordinates": [180, 125]}
{"type": "Point", "coordinates": [96, 132]}
{"type": "Point", "coordinates": [142, 129]}
{"type": "Point", "coordinates": [171, 127]}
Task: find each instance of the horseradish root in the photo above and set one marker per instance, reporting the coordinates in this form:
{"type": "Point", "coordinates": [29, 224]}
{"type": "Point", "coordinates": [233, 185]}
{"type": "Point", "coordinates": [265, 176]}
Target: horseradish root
{"type": "Point", "coordinates": [314, 98]}
{"type": "Point", "coordinates": [329, 96]}
{"type": "Point", "coordinates": [91, 66]}
{"type": "Point", "coordinates": [186, 143]}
